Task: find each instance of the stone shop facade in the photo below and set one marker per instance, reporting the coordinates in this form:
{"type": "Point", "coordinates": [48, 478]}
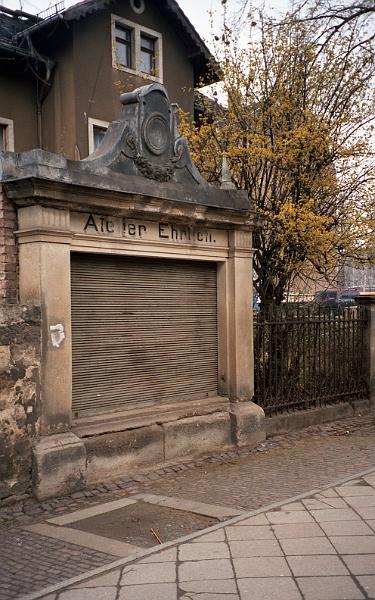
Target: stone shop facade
{"type": "Point", "coordinates": [143, 276]}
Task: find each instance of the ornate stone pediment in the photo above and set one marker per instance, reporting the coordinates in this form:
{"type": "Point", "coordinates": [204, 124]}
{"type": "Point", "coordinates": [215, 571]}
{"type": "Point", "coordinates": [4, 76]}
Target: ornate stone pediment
{"type": "Point", "coordinates": [146, 139]}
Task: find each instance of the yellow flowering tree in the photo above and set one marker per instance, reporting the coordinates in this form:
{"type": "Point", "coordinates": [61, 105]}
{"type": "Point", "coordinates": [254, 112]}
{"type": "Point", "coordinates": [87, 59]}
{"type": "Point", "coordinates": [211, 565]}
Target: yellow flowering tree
{"type": "Point", "coordinates": [295, 127]}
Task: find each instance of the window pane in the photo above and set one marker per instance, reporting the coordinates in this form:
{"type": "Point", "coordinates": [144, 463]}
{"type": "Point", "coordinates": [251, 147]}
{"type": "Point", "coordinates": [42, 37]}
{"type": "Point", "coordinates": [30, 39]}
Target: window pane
{"type": "Point", "coordinates": [147, 43]}
{"type": "Point", "coordinates": [2, 138]}
{"type": "Point", "coordinates": [124, 46]}
{"type": "Point", "coordinates": [123, 53]}
{"type": "Point", "coordinates": [99, 133]}
{"type": "Point", "coordinates": [147, 63]}
{"type": "Point", "coordinates": [147, 55]}
{"type": "Point", "coordinates": [123, 34]}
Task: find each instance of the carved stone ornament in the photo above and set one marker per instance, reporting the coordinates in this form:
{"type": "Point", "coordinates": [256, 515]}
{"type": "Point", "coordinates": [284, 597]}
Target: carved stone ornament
{"type": "Point", "coordinates": [150, 145]}
{"type": "Point", "coordinates": [153, 141]}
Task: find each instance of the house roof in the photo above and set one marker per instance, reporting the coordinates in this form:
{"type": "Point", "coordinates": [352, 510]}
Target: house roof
{"type": "Point", "coordinates": [12, 24]}
{"type": "Point", "coordinates": [197, 51]}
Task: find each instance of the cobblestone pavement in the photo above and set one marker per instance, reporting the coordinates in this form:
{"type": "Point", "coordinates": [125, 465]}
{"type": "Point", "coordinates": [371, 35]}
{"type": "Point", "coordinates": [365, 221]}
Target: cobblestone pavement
{"type": "Point", "coordinates": [297, 463]}
{"type": "Point", "coordinates": [29, 561]}
{"type": "Point", "coordinates": [278, 469]}
{"type": "Point", "coordinates": [320, 547]}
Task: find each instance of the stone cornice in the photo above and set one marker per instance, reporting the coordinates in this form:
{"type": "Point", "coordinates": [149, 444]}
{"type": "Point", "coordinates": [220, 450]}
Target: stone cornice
{"type": "Point", "coordinates": [64, 195]}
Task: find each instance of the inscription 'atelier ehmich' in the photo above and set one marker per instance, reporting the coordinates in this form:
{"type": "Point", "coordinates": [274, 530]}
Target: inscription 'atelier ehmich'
{"type": "Point", "coordinates": [164, 231]}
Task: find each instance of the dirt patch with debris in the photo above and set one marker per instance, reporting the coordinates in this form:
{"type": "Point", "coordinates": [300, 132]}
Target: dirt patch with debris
{"type": "Point", "coordinates": [144, 524]}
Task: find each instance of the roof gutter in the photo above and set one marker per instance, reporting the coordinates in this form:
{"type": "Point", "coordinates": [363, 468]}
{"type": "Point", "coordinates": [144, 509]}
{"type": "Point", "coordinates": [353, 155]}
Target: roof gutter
{"type": "Point", "coordinates": [37, 26]}
{"type": "Point", "coordinates": [17, 13]}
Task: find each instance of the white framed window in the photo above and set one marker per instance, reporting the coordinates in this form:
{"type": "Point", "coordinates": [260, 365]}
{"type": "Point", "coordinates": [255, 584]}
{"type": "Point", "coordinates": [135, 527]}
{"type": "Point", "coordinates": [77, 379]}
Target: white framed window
{"type": "Point", "coordinates": [6, 135]}
{"type": "Point", "coordinates": [97, 131]}
{"type": "Point", "coordinates": [136, 49]}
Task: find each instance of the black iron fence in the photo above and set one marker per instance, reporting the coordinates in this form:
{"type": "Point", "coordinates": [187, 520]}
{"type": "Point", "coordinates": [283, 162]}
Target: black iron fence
{"type": "Point", "coordinates": [306, 357]}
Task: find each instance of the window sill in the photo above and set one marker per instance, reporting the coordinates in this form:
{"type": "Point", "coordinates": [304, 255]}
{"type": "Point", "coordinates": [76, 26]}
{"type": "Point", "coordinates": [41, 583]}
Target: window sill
{"type": "Point", "coordinates": [136, 73]}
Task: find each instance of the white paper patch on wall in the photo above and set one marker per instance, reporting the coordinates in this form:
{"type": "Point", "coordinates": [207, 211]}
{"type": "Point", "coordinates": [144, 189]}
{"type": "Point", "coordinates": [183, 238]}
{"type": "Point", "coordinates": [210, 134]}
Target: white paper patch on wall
{"type": "Point", "coordinates": [57, 334]}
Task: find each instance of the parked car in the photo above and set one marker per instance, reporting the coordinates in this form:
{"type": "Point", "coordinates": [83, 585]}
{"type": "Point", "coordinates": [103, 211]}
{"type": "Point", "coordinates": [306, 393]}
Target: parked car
{"type": "Point", "coordinates": [256, 302]}
{"type": "Point", "coordinates": [337, 300]}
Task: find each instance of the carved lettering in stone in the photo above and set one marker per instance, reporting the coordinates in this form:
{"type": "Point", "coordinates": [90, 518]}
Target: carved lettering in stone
{"type": "Point", "coordinates": [152, 231]}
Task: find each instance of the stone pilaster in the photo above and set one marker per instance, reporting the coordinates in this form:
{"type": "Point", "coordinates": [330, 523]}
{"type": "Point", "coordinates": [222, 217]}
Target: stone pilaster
{"type": "Point", "coordinates": [248, 426]}
{"type": "Point", "coordinates": [59, 457]}
{"type": "Point", "coordinates": [368, 300]}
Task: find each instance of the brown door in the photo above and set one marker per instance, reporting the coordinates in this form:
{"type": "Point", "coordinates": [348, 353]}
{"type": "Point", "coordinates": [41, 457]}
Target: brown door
{"type": "Point", "coordinates": [144, 331]}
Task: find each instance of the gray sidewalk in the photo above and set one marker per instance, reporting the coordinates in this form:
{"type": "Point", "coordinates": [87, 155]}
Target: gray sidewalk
{"type": "Point", "coordinates": [37, 552]}
{"type": "Point", "coordinates": [319, 546]}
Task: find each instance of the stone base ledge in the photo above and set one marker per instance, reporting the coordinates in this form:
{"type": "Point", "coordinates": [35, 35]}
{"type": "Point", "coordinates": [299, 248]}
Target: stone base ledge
{"type": "Point", "coordinates": [59, 465]}
{"type": "Point", "coordinates": [134, 418]}
{"type": "Point", "coordinates": [286, 422]}
{"type": "Point", "coordinates": [248, 424]}
{"type": "Point", "coordinates": [117, 453]}
{"type": "Point", "coordinates": [197, 435]}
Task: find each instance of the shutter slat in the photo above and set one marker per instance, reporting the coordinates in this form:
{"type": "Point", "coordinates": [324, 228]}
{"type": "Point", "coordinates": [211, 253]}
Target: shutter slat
{"type": "Point", "coordinates": [144, 331]}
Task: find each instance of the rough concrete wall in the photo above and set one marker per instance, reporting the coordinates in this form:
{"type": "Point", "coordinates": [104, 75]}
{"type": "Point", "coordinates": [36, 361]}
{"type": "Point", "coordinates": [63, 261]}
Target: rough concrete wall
{"type": "Point", "coordinates": [8, 250]}
{"type": "Point", "coordinates": [19, 395]}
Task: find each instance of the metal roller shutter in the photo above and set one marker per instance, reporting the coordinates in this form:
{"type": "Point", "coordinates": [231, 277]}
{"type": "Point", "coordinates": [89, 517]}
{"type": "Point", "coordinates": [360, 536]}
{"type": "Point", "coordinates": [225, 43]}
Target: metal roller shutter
{"type": "Point", "coordinates": [144, 331]}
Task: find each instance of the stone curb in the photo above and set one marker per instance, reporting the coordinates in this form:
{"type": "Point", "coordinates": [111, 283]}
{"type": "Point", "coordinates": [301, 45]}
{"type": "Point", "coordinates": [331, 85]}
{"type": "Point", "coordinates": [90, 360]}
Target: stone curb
{"type": "Point", "coordinates": [119, 563]}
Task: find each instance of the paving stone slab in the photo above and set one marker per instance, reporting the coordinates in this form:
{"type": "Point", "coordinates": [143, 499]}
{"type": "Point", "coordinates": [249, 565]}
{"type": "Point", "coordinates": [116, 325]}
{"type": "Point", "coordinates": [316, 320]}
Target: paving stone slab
{"type": "Point", "coordinates": [329, 588]}
{"type": "Point", "coordinates": [329, 493]}
{"type": "Point", "coordinates": [281, 516]}
{"type": "Point", "coordinates": [214, 536]}
{"type": "Point", "coordinates": [360, 564]}
{"type": "Point", "coordinates": [205, 569]}
{"type": "Point", "coordinates": [329, 502]}
{"type": "Point", "coordinates": [355, 490]}
{"type": "Point", "coordinates": [297, 530]}
{"type": "Point", "coordinates": [274, 566]}
{"type": "Point", "coordinates": [335, 514]}
{"type": "Point", "coordinates": [368, 583]}
{"type": "Point", "coordinates": [223, 586]}
{"type": "Point", "coordinates": [316, 566]}
{"type": "Point", "coordinates": [256, 520]}
{"type": "Point", "coordinates": [169, 555]}
{"type": "Point", "coordinates": [249, 532]}
{"type": "Point", "coordinates": [307, 546]}
{"type": "Point", "coordinates": [208, 596]}
{"type": "Point", "coordinates": [338, 528]}
{"type": "Point", "coordinates": [294, 506]}
{"type": "Point", "coordinates": [280, 588]}
{"type": "Point", "coordinates": [367, 512]}
{"type": "Point", "coordinates": [350, 544]}
{"type": "Point", "coordinates": [204, 550]}
{"type": "Point", "coordinates": [155, 591]}
{"type": "Point", "coordinates": [255, 548]}
{"type": "Point", "coordinates": [360, 501]}
{"type": "Point", "coordinates": [148, 573]}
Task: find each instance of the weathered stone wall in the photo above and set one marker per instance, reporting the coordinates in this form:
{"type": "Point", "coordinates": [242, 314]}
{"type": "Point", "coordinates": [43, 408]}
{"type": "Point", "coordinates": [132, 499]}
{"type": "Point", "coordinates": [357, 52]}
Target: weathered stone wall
{"type": "Point", "coordinates": [19, 395]}
{"type": "Point", "coordinates": [8, 250]}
